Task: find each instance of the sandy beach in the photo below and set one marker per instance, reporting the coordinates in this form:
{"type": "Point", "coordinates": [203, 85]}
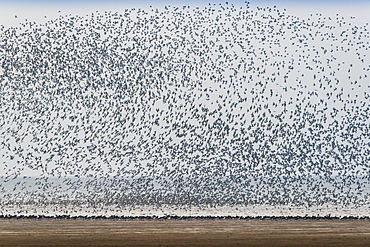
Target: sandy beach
{"type": "Point", "coordinates": [191, 232]}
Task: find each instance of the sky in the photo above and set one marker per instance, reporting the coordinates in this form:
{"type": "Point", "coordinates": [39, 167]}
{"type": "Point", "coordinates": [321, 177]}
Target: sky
{"type": "Point", "coordinates": [12, 13]}
{"type": "Point", "coordinates": [41, 10]}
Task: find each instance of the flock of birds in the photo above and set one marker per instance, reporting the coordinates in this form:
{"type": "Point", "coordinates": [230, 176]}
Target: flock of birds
{"type": "Point", "coordinates": [220, 105]}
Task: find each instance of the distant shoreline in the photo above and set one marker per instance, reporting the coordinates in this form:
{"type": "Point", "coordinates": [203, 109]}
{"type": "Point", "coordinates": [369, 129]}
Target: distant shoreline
{"type": "Point", "coordinates": [175, 217]}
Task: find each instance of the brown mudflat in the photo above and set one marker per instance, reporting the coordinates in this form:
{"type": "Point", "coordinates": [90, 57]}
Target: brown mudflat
{"type": "Point", "coordinates": [212, 232]}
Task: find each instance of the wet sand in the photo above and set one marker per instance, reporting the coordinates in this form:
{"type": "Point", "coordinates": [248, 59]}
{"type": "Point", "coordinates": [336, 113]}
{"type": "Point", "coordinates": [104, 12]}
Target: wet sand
{"type": "Point", "coordinates": [205, 232]}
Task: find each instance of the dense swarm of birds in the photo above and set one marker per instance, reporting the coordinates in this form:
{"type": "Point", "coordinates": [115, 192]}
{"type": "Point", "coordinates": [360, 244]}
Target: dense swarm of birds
{"type": "Point", "coordinates": [220, 105]}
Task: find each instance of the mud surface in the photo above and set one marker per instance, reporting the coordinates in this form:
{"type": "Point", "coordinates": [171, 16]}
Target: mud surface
{"type": "Point", "coordinates": [216, 232]}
